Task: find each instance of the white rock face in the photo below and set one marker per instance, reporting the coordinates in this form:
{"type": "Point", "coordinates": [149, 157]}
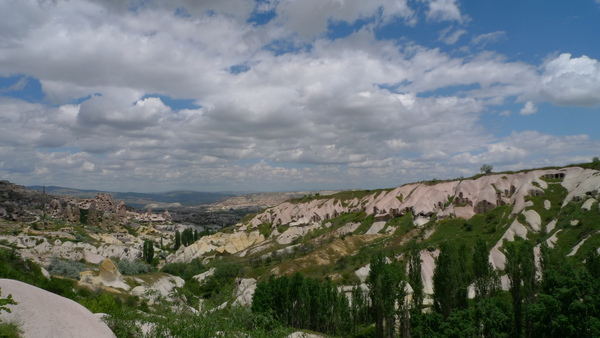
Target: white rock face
{"type": "Point", "coordinates": [552, 240]}
{"type": "Point", "coordinates": [550, 226]}
{"type": "Point", "coordinates": [294, 232]}
{"type": "Point", "coordinates": [43, 314]}
{"type": "Point", "coordinates": [427, 269]}
{"type": "Point", "coordinates": [376, 228]}
{"type": "Point", "coordinates": [458, 198]}
{"type": "Point", "coordinates": [244, 291]}
{"type": "Point", "coordinates": [497, 258]}
{"type": "Point", "coordinates": [587, 205]}
{"type": "Point", "coordinates": [533, 219]}
{"type": "Point", "coordinates": [579, 182]}
{"type": "Point", "coordinates": [201, 277]}
{"type": "Point", "coordinates": [547, 205]}
{"type": "Point", "coordinates": [363, 273]}
{"type": "Point", "coordinates": [219, 242]}
{"type": "Point", "coordinates": [576, 247]}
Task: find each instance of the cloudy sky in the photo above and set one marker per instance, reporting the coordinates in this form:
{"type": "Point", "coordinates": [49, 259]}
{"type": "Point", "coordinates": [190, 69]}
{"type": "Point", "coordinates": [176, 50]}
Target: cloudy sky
{"type": "Point", "coordinates": [271, 95]}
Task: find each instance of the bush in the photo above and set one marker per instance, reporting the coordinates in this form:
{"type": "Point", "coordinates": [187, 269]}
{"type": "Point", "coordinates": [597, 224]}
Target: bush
{"type": "Point", "coordinates": [9, 330]}
{"type": "Point", "coordinates": [185, 270]}
{"type": "Point", "coordinates": [69, 269]}
{"type": "Point", "coordinates": [127, 267]}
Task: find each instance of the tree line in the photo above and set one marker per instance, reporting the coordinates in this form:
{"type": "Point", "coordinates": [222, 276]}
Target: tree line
{"type": "Point", "coordinates": [562, 299]}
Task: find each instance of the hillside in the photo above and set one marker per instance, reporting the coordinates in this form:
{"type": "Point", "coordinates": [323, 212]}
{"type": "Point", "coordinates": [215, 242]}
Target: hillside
{"type": "Point", "coordinates": [142, 200]}
{"type": "Point", "coordinates": [335, 241]}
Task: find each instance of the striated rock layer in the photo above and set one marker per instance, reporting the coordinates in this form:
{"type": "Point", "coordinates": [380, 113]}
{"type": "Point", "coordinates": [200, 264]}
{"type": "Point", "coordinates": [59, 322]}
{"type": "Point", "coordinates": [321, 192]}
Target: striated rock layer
{"type": "Point", "coordinates": [463, 198]}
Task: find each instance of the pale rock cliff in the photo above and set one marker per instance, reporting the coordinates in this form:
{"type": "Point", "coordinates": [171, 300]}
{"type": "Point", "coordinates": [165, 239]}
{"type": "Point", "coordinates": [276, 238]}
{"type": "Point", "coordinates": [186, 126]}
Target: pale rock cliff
{"type": "Point", "coordinates": [456, 198]}
{"type": "Point", "coordinates": [222, 243]}
{"type": "Point", "coordinates": [43, 314]}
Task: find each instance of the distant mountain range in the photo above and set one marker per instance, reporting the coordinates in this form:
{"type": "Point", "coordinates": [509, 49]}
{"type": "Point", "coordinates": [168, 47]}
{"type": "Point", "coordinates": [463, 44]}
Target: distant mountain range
{"type": "Point", "coordinates": [141, 200]}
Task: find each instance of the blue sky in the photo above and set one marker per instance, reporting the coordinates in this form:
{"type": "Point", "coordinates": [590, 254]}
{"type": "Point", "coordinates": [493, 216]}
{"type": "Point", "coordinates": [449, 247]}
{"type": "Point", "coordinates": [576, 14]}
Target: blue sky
{"type": "Point", "coordinates": [148, 95]}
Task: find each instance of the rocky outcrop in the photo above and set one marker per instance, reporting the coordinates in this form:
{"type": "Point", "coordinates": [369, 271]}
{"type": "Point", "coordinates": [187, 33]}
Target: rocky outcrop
{"type": "Point", "coordinates": [164, 288]}
{"type": "Point", "coordinates": [108, 275]}
{"type": "Point", "coordinates": [244, 291]}
{"type": "Point", "coordinates": [43, 314]}
{"type": "Point", "coordinates": [463, 198]}
{"type": "Point", "coordinates": [220, 243]}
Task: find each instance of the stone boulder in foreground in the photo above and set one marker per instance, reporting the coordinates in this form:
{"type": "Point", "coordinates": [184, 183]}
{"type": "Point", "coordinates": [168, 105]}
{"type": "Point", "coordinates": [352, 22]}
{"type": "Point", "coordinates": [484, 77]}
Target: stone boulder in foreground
{"type": "Point", "coordinates": [43, 314]}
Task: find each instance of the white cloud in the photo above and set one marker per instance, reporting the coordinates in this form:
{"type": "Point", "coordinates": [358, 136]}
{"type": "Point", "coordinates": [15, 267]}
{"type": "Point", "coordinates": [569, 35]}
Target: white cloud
{"type": "Point", "coordinates": [571, 81]}
{"type": "Point", "coordinates": [484, 39]}
{"type": "Point", "coordinates": [444, 10]}
{"type": "Point", "coordinates": [381, 111]}
{"type": "Point", "coordinates": [529, 108]}
{"type": "Point", "coordinates": [451, 38]}
{"type": "Point", "coordinates": [310, 18]}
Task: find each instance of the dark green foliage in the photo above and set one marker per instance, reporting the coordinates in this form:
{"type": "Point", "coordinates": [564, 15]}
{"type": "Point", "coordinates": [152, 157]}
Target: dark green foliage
{"type": "Point", "coordinates": [387, 290]}
{"type": "Point", "coordinates": [486, 168]}
{"type": "Point", "coordinates": [414, 275]}
{"type": "Point", "coordinates": [189, 236]}
{"type": "Point", "coordinates": [304, 303]}
{"type": "Point", "coordinates": [520, 269]}
{"type": "Point", "coordinates": [83, 216]}
{"type": "Point", "coordinates": [450, 280]}
{"type": "Point", "coordinates": [9, 330]}
{"type": "Point", "coordinates": [185, 270]}
{"type": "Point", "coordinates": [8, 300]}
{"type": "Point", "coordinates": [568, 300]}
{"type": "Point", "coordinates": [148, 251]}
{"type": "Point", "coordinates": [177, 240]}
{"type": "Point", "coordinates": [486, 280]}
{"type": "Point", "coordinates": [221, 283]}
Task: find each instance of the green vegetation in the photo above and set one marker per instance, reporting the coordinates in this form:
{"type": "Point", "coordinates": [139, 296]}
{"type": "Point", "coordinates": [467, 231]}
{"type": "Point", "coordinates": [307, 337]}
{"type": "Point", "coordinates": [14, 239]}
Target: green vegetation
{"type": "Point", "coordinates": [68, 268]}
{"type": "Point", "coordinates": [128, 267]}
{"type": "Point", "coordinates": [148, 251]}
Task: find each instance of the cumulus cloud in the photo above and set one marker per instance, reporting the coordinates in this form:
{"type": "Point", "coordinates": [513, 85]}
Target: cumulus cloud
{"type": "Point", "coordinates": [382, 112]}
{"type": "Point", "coordinates": [310, 18]}
{"type": "Point", "coordinates": [529, 108]}
{"type": "Point", "coordinates": [444, 10]}
{"type": "Point", "coordinates": [571, 81]}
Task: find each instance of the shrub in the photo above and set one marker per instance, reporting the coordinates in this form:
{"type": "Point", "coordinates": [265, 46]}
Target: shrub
{"type": "Point", "coordinates": [185, 270]}
{"type": "Point", "coordinates": [128, 267]}
{"type": "Point", "coordinates": [69, 269]}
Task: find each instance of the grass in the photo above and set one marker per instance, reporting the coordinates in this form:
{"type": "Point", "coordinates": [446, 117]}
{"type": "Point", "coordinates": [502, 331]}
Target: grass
{"type": "Point", "coordinates": [489, 226]}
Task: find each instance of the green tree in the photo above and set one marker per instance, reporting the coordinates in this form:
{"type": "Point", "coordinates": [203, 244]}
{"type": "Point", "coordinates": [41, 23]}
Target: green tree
{"type": "Point", "coordinates": [148, 251]}
{"type": "Point", "coordinates": [414, 276]}
{"type": "Point", "coordinates": [386, 290]}
{"type": "Point", "coordinates": [177, 240]}
{"type": "Point", "coordinates": [486, 280]}
{"type": "Point", "coordinates": [450, 279]}
{"type": "Point", "coordinates": [520, 269]}
{"type": "Point", "coordinates": [486, 168]}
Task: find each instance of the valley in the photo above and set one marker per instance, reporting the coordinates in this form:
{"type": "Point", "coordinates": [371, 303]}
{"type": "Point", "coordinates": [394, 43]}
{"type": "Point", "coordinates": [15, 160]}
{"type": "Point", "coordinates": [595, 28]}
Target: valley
{"type": "Point", "coordinates": [378, 258]}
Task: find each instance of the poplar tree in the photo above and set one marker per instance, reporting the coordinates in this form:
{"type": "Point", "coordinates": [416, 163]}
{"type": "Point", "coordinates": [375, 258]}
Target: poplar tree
{"type": "Point", "coordinates": [177, 240]}
{"type": "Point", "coordinates": [414, 276]}
{"type": "Point", "coordinates": [450, 280]}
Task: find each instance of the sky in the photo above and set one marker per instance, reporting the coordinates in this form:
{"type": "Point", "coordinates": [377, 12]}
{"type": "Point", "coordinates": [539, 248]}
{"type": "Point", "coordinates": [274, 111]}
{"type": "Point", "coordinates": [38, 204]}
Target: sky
{"type": "Point", "coordinates": [283, 95]}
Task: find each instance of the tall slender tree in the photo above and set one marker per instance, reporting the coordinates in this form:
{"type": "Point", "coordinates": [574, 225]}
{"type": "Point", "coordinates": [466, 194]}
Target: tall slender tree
{"type": "Point", "coordinates": [449, 279]}
{"type": "Point", "coordinates": [414, 275]}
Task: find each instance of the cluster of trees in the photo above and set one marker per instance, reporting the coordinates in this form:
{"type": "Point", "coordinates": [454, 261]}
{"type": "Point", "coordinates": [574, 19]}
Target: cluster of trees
{"type": "Point", "coordinates": [563, 300]}
{"type": "Point", "coordinates": [304, 303]}
{"type": "Point", "coordinates": [188, 236]}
